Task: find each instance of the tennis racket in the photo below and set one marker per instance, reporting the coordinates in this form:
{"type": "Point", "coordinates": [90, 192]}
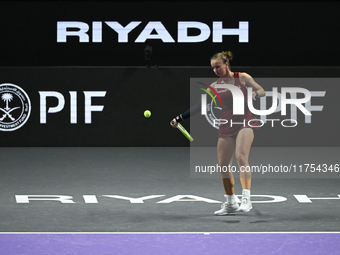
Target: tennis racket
{"type": "Point", "coordinates": [183, 130]}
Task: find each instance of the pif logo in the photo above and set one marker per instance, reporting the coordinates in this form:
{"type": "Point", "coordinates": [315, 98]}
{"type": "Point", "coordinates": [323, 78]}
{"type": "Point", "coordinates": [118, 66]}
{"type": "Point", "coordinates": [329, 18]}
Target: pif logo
{"type": "Point", "coordinates": [15, 107]}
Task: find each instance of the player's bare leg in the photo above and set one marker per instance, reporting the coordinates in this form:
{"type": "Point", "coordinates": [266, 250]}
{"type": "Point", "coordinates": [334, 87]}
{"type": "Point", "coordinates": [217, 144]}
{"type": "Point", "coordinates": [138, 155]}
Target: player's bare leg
{"type": "Point", "coordinates": [225, 153]}
{"type": "Point", "coordinates": [244, 140]}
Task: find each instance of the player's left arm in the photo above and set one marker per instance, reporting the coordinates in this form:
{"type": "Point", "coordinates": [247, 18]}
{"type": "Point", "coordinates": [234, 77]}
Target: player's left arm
{"type": "Point", "coordinates": [248, 81]}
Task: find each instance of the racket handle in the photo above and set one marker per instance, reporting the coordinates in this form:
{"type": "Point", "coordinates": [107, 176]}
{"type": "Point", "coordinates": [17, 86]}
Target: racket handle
{"type": "Point", "coordinates": [184, 132]}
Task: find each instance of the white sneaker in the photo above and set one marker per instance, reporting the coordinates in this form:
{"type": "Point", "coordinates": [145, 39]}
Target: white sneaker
{"type": "Point", "coordinates": [245, 205]}
{"type": "Point", "coordinates": [227, 208]}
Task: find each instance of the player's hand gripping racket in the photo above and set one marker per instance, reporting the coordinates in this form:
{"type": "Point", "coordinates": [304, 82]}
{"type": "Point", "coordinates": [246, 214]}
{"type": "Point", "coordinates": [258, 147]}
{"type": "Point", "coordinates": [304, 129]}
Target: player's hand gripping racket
{"type": "Point", "coordinates": [183, 130]}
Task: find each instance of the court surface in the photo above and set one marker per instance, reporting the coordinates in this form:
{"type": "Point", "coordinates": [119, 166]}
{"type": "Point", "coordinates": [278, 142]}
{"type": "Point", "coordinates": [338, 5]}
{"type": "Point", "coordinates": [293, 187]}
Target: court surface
{"type": "Point", "coordinates": [143, 201]}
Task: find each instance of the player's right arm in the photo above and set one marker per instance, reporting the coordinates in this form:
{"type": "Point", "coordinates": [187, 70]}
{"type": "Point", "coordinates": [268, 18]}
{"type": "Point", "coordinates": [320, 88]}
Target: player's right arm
{"type": "Point", "coordinates": [192, 111]}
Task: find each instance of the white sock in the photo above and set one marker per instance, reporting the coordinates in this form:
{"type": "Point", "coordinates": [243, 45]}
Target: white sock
{"type": "Point", "coordinates": [231, 199]}
{"type": "Point", "coordinates": [246, 193]}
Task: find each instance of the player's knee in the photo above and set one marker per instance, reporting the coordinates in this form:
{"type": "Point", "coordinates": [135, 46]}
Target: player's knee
{"type": "Point", "coordinates": [242, 159]}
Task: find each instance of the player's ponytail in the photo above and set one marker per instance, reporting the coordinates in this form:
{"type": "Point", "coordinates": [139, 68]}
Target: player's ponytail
{"type": "Point", "coordinates": [228, 55]}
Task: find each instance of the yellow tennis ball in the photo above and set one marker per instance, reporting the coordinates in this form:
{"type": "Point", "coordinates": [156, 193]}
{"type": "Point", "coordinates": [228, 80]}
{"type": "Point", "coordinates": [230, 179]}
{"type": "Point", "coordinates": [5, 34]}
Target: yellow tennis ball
{"type": "Point", "coordinates": [147, 113]}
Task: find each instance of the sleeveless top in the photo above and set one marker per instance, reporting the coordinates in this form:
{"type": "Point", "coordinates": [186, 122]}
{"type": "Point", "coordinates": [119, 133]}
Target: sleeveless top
{"type": "Point", "coordinates": [234, 123]}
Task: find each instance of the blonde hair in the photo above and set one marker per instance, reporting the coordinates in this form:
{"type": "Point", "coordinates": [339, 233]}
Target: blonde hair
{"type": "Point", "coordinates": [225, 56]}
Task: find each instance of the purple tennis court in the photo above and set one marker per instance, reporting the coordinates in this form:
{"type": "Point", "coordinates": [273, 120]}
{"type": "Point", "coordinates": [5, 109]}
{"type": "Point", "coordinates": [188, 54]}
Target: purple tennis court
{"type": "Point", "coordinates": [170, 243]}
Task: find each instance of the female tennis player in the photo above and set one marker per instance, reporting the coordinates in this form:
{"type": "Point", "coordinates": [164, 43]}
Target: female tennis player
{"type": "Point", "coordinates": [232, 138]}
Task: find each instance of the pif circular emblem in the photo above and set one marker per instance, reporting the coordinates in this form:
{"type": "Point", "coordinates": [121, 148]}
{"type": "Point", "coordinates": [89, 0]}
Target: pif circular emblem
{"type": "Point", "coordinates": [15, 107]}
